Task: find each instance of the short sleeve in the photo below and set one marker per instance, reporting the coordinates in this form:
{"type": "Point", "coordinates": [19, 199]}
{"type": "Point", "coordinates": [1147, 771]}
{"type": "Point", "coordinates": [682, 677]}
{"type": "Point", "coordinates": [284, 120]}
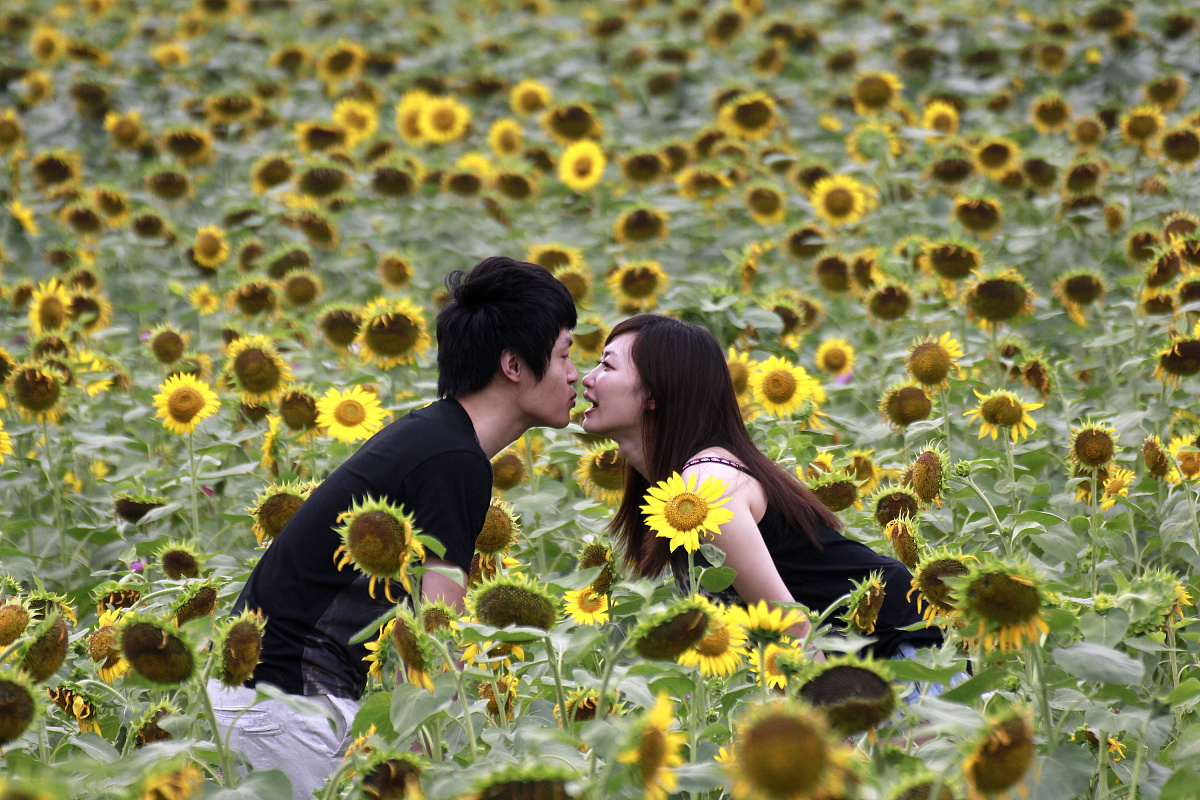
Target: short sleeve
{"type": "Point", "coordinates": [448, 496]}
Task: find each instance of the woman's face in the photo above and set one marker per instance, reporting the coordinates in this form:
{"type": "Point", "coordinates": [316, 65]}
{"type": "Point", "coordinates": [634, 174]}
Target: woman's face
{"type": "Point", "coordinates": [615, 391]}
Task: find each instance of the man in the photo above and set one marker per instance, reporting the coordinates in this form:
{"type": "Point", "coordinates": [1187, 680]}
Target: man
{"type": "Point", "coordinates": [504, 366]}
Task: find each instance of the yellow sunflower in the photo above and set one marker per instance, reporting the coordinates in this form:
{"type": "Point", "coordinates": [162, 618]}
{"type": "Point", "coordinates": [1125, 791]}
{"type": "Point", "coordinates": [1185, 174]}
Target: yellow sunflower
{"type": "Point", "coordinates": [840, 199]}
{"type": "Point", "coordinates": [601, 473]}
{"type": "Point", "coordinates": [772, 673]}
{"type": "Point", "coordinates": [48, 307]}
{"type": "Point", "coordinates": [581, 165]}
{"type": "Point", "coordinates": [998, 410]}
{"type": "Point", "coordinates": [835, 356]}
{"type": "Point", "coordinates": [635, 285]}
{"type": "Point", "coordinates": [680, 509]}
{"type": "Point", "coordinates": [506, 137]}
{"type": "Point", "coordinates": [359, 118]}
{"type": "Point", "coordinates": [930, 361]}
{"type": "Point", "coordinates": [350, 415]}
{"type": "Point", "coordinates": [718, 653]}
{"type": "Point", "coordinates": [748, 116]}
{"type": "Point", "coordinates": [23, 214]}
{"type": "Point", "coordinates": [765, 624]}
{"type": "Point", "coordinates": [256, 370]}
{"type": "Point", "coordinates": [443, 120]}
{"type": "Point", "coordinates": [393, 331]}
{"type": "Point", "coordinates": [781, 387]}
{"type": "Point", "coordinates": [586, 607]}
{"type": "Point", "coordinates": [183, 402]}
{"type": "Point", "coordinates": [408, 115]}
{"type": "Point", "coordinates": [1116, 485]}
{"type": "Point", "coordinates": [210, 249]}
{"type": "Point", "coordinates": [656, 750]}
{"type": "Point", "coordinates": [1185, 459]}
{"type": "Point", "coordinates": [528, 96]}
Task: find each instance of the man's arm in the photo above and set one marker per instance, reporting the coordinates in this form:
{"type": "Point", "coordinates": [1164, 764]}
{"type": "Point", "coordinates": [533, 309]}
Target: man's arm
{"type": "Point", "coordinates": [435, 586]}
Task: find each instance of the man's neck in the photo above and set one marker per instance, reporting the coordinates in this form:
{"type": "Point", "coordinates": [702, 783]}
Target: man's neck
{"type": "Point", "coordinates": [496, 423]}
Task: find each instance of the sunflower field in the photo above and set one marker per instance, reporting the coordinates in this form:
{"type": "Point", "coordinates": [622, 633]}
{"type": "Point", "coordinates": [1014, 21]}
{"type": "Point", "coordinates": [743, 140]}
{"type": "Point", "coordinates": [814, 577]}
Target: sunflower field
{"type": "Point", "coordinates": [953, 249]}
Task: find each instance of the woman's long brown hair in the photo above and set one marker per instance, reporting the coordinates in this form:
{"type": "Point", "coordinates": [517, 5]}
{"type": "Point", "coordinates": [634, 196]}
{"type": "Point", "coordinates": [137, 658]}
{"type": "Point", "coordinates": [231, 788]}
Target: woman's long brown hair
{"type": "Point", "coordinates": [683, 371]}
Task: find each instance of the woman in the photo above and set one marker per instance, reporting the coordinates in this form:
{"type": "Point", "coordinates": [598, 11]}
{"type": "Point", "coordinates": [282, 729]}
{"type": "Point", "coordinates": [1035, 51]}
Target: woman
{"type": "Point", "coordinates": [663, 393]}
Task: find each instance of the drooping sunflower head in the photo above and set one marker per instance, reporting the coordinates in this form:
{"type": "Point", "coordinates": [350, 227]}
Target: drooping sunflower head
{"type": "Point", "coordinates": [46, 647]}
{"type": "Point", "coordinates": [274, 507]}
{"type": "Point", "coordinates": [904, 535]}
{"type": "Point", "coordinates": [667, 633]}
{"type": "Point", "coordinates": [641, 224]}
{"type": "Point", "coordinates": [837, 490]}
{"type": "Point", "coordinates": [1001, 605]}
{"type": "Point", "coordinates": [905, 403]}
{"type": "Point", "coordinates": [1002, 754]}
{"type": "Point", "coordinates": [179, 560]}
{"type": "Point", "coordinates": [20, 704]}
{"type": "Point", "coordinates": [599, 554]}
{"type": "Point", "coordinates": [37, 390]}
{"type": "Point", "coordinates": [865, 603]}
{"type": "Point", "coordinates": [393, 332]}
{"type": "Point", "coordinates": [156, 649]}
{"type": "Point", "coordinates": [855, 694]}
{"type": "Point", "coordinates": [927, 475]}
{"type": "Point", "coordinates": [339, 324]}
{"type": "Point", "coordinates": [929, 582]}
{"type": "Point", "coordinates": [571, 123]}
{"type": "Point", "coordinates": [14, 618]}
{"type": "Point", "coordinates": [239, 642]}
{"type": "Point", "coordinates": [995, 297]}
{"type": "Point", "coordinates": [500, 529]}
{"type": "Point", "coordinates": [508, 470]}
{"type": "Point", "coordinates": [513, 600]}
{"type": "Point", "coordinates": [194, 601]}
{"type": "Point", "coordinates": [379, 539]}
{"type": "Point", "coordinates": [784, 749]}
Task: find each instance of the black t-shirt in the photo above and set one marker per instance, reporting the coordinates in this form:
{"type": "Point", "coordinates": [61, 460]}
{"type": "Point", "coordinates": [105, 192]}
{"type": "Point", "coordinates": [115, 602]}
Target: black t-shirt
{"type": "Point", "coordinates": [431, 462]}
{"type": "Point", "coordinates": [818, 577]}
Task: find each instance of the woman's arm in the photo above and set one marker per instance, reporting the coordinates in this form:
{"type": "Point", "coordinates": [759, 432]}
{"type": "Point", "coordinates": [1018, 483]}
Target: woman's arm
{"type": "Point", "coordinates": [742, 542]}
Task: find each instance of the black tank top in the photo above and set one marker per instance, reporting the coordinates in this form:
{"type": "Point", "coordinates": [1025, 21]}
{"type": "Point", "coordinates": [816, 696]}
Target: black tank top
{"type": "Point", "coordinates": [817, 577]}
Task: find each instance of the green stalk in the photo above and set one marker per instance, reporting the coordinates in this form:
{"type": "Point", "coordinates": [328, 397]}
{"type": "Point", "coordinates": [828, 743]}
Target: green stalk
{"type": "Point", "coordinates": [610, 661]}
{"type": "Point", "coordinates": [56, 491]}
{"type": "Point", "coordinates": [468, 726]}
{"type": "Point", "coordinates": [1014, 501]}
{"type": "Point", "coordinates": [1133, 541]}
{"type": "Point", "coordinates": [556, 670]}
{"type": "Point", "coordinates": [1044, 695]}
{"type": "Point", "coordinates": [1102, 757]}
{"type": "Point", "coordinates": [194, 487]}
{"type": "Point", "coordinates": [229, 777]}
{"type": "Point", "coordinates": [1187, 491]}
{"type": "Point", "coordinates": [991, 511]}
{"type": "Point", "coordinates": [1094, 530]}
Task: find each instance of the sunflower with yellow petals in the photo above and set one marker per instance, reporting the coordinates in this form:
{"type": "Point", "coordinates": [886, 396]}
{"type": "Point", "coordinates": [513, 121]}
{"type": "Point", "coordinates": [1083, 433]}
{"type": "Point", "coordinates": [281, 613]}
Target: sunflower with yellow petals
{"type": "Point", "coordinates": [836, 357]}
{"type": "Point", "coordinates": [581, 165]}
{"type": "Point", "coordinates": [183, 402]}
{"type": "Point", "coordinates": [380, 540]}
{"type": "Point", "coordinates": [442, 120]}
{"type": "Point", "coordinates": [586, 607]}
{"type": "Point", "coordinates": [48, 307]}
{"type": "Point", "coordinates": [681, 509]}
{"type": "Point", "coordinates": [256, 370]}
{"type": "Point", "coordinates": [393, 332]}
{"type": "Point", "coordinates": [1185, 459]}
{"type": "Point", "coordinates": [655, 750]}
{"type": "Point", "coordinates": [840, 199]}
{"type": "Point", "coordinates": [765, 624]}
{"type": "Point", "coordinates": [351, 415]}
{"type": "Point", "coordinates": [1001, 605]}
{"type": "Point", "coordinates": [781, 387]}
{"type": "Point", "coordinates": [719, 653]}
{"type": "Point", "coordinates": [999, 410]}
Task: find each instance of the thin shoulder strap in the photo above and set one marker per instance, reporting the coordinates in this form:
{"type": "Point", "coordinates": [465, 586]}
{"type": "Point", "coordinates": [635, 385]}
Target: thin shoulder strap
{"type": "Point", "coordinates": [718, 460]}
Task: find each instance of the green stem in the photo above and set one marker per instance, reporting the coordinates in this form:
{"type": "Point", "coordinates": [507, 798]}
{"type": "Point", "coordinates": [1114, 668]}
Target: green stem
{"type": "Point", "coordinates": [762, 672]}
{"type": "Point", "coordinates": [1044, 695]}
{"type": "Point", "coordinates": [991, 511]}
{"type": "Point", "coordinates": [56, 487]}
{"type": "Point", "coordinates": [469, 726]}
{"type": "Point", "coordinates": [228, 777]}
{"type": "Point", "coordinates": [1133, 540]}
{"type": "Point", "coordinates": [501, 707]}
{"type": "Point", "coordinates": [194, 487]}
{"type": "Point", "coordinates": [1137, 763]}
{"type": "Point", "coordinates": [1014, 501]}
{"type": "Point", "coordinates": [610, 661]}
{"type": "Point", "coordinates": [1187, 491]}
{"type": "Point", "coordinates": [335, 782]}
{"type": "Point", "coordinates": [552, 658]}
{"type": "Point", "coordinates": [1094, 530]}
{"type": "Point", "coordinates": [1102, 757]}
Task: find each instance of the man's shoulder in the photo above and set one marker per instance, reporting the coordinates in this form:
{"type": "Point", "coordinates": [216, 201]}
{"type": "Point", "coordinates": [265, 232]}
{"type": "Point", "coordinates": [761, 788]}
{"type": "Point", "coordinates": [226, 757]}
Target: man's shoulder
{"type": "Point", "coordinates": [439, 431]}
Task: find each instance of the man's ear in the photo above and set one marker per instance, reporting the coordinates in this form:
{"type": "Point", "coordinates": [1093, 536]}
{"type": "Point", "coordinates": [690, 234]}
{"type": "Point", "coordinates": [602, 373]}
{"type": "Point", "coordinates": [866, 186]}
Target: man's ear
{"type": "Point", "coordinates": [511, 365]}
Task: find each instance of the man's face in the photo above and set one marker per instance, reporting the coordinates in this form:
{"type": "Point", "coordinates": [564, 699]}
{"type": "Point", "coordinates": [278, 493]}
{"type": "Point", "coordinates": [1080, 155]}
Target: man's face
{"type": "Point", "coordinates": [549, 402]}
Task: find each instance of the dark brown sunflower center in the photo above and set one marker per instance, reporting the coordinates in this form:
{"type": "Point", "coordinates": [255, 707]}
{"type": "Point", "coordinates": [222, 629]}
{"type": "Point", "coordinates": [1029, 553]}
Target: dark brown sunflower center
{"type": "Point", "coordinates": [783, 755]}
{"type": "Point", "coordinates": [392, 334]}
{"type": "Point", "coordinates": [908, 405]}
{"type": "Point", "coordinates": [929, 363]}
{"type": "Point", "coordinates": [1093, 447]}
{"type": "Point", "coordinates": [608, 470]}
{"type": "Point", "coordinates": [874, 92]}
{"type": "Point", "coordinates": [1001, 411]}
{"type": "Point", "coordinates": [839, 202]}
{"type": "Point", "coordinates": [276, 511]}
{"type": "Point", "coordinates": [378, 542]}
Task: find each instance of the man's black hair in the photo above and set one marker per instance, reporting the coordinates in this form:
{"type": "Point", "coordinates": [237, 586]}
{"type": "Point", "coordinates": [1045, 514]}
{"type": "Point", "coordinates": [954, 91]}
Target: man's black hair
{"type": "Point", "coordinates": [501, 304]}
